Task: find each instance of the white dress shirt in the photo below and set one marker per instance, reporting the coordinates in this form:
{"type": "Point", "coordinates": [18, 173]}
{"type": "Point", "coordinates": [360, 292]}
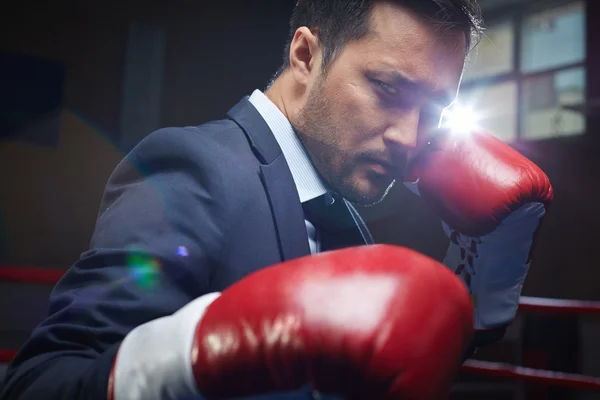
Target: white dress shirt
{"type": "Point", "coordinates": [308, 182]}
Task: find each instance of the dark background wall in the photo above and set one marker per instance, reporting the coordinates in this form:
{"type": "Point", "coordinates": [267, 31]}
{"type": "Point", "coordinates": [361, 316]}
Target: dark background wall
{"type": "Point", "coordinates": [212, 56]}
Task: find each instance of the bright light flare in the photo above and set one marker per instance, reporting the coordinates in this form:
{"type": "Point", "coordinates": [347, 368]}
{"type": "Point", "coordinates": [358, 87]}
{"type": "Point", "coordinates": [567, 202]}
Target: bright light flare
{"type": "Point", "coordinates": [460, 119]}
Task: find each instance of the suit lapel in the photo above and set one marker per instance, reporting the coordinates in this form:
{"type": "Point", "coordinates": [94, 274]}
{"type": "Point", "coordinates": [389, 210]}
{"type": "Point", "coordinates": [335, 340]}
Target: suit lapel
{"type": "Point", "coordinates": [277, 180]}
{"type": "Point", "coordinates": [287, 211]}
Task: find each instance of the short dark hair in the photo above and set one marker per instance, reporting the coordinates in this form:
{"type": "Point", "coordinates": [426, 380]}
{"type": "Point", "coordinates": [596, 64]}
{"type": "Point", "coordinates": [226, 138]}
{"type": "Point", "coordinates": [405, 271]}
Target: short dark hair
{"type": "Point", "coordinates": [341, 21]}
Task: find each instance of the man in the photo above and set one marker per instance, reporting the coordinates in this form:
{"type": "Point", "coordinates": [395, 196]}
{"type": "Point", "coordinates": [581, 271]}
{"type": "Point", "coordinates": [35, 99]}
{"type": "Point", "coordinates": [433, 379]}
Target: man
{"type": "Point", "coordinates": [193, 212]}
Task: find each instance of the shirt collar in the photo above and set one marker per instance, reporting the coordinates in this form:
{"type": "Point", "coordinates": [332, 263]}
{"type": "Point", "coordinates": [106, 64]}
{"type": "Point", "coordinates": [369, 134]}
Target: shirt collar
{"type": "Point", "coordinates": [308, 182]}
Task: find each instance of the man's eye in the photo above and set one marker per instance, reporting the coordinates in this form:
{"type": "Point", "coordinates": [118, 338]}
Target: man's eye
{"type": "Point", "coordinates": [388, 89]}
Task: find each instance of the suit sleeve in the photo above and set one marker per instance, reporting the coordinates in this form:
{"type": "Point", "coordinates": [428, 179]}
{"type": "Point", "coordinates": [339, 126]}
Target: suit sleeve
{"type": "Point", "coordinates": [158, 237]}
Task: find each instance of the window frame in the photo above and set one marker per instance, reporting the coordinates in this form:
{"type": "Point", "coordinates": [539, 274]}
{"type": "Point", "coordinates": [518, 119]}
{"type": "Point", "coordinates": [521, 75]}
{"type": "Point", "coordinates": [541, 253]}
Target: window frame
{"type": "Point", "coordinates": [516, 15]}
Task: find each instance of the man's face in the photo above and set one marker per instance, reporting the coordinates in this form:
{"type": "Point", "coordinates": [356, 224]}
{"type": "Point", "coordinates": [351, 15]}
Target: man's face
{"type": "Point", "coordinates": [364, 115]}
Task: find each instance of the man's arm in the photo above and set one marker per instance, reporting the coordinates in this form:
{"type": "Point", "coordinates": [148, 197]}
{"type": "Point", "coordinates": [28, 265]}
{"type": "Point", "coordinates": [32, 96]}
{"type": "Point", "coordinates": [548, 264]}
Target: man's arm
{"type": "Point", "coordinates": [157, 238]}
{"type": "Point", "coordinates": [492, 201]}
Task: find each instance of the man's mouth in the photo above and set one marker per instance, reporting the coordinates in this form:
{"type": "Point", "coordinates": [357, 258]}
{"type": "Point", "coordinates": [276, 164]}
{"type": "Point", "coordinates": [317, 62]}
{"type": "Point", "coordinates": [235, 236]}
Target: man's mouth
{"type": "Point", "coordinates": [383, 168]}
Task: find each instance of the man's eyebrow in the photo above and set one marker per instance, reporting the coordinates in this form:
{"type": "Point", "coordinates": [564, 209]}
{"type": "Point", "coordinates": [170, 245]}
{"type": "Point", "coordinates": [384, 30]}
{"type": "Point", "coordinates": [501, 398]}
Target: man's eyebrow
{"type": "Point", "coordinates": [400, 80]}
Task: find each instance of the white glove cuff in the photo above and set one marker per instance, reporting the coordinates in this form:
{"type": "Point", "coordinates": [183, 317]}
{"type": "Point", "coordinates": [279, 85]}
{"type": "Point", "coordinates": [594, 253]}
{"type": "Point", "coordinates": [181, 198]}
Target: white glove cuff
{"type": "Point", "coordinates": [153, 361]}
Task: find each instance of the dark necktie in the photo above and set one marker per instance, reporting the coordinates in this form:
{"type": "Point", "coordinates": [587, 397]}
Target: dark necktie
{"type": "Point", "coordinates": [332, 220]}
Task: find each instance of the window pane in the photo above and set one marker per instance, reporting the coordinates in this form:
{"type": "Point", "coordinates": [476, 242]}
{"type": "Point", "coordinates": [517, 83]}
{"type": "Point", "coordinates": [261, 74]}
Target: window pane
{"type": "Point", "coordinates": [546, 101]}
{"type": "Point", "coordinates": [494, 53]}
{"type": "Point", "coordinates": [553, 38]}
{"type": "Point", "coordinates": [496, 108]}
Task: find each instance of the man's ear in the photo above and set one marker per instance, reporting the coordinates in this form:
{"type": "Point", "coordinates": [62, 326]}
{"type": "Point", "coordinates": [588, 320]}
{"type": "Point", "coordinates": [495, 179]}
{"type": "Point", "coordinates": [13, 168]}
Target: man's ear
{"type": "Point", "coordinates": [305, 54]}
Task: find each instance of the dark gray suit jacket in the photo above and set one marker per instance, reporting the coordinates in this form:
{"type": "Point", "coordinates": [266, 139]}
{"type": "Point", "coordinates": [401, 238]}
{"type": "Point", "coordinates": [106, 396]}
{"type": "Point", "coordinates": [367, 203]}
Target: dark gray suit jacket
{"type": "Point", "coordinates": [189, 211]}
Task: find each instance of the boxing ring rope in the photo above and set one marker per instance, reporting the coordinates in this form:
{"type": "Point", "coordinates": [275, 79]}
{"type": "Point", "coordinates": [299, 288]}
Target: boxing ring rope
{"type": "Point", "coordinates": [502, 370]}
{"type": "Point", "coordinates": [558, 306]}
{"type": "Point", "coordinates": [6, 355]}
{"type": "Point", "coordinates": [32, 275]}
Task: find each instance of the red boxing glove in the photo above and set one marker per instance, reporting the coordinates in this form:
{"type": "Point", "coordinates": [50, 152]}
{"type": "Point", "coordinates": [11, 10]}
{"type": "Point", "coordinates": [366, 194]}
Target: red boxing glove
{"type": "Point", "coordinates": [491, 200]}
{"type": "Point", "coordinates": [377, 322]}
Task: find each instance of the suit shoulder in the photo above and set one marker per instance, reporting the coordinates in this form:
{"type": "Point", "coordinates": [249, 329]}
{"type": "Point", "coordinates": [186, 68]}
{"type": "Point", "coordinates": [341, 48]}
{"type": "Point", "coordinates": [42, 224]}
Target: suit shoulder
{"type": "Point", "coordinates": [216, 152]}
{"type": "Point", "coordinates": [213, 144]}
{"type": "Point", "coordinates": [192, 139]}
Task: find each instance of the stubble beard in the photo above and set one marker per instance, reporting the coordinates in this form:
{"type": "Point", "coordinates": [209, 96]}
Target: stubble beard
{"type": "Point", "coordinates": [318, 134]}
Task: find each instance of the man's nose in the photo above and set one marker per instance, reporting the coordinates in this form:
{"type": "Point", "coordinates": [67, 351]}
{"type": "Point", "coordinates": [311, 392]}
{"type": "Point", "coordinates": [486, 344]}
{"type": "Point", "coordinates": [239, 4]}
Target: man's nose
{"type": "Point", "coordinates": [403, 131]}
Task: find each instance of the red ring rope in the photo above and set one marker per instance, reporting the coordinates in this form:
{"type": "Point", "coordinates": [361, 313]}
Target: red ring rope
{"type": "Point", "coordinates": [6, 355]}
{"type": "Point", "coordinates": [559, 306]}
{"type": "Point", "coordinates": [31, 274]}
{"type": "Point", "coordinates": [531, 375]}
